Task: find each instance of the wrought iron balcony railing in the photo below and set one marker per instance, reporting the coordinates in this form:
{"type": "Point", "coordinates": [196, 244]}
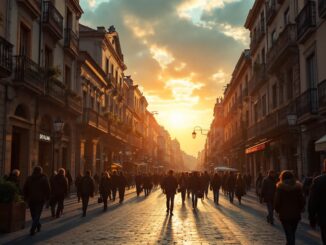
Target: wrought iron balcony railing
{"type": "Point", "coordinates": [52, 19]}
{"type": "Point", "coordinates": [306, 21]}
{"type": "Point", "coordinates": [5, 58]}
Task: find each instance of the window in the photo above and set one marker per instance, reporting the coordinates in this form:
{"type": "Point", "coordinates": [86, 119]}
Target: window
{"type": "Point", "coordinates": [262, 22]}
{"type": "Point", "coordinates": [311, 71]}
{"type": "Point", "coordinates": [289, 84]}
{"type": "Point", "coordinates": [69, 19]}
{"type": "Point", "coordinates": [48, 57]}
{"type": "Point", "coordinates": [107, 66]}
{"type": "Point", "coordinates": [274, 96]}
{"type": "Point", "coordinates": [263, 104]}
{"type": "Point", "coordinates": [286, 17]}
{"type": "Point", "coordinates": [273, 37]}
{"type": "Point", "coordinates": [67, 76]}
{"type": "Point", "coordinates": [24, 41]}
{"type": "Point", "coordinates": [281, 92]}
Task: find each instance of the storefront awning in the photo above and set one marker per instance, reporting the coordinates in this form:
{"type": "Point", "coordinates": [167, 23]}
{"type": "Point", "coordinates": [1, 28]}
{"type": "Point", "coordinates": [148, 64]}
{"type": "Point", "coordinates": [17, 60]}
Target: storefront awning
{"type": "Point", "coordinates": [320, 145]}
{"type": "Point", "coordinates": [259, 147]}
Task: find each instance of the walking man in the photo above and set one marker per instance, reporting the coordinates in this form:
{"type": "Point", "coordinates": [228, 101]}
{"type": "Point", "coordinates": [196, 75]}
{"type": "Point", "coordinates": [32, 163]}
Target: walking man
{"type": "Point", "coordinates": [317, 203]}
{"type": "Point", "coordinates": [36, 193]}
{"type": "Point", "coordinates": [215, 187]}
{"type": "Point", "coordinates": [122, 183]}
{"type": "Point", "coordinates": [170, 187]}
{"type": "Point", "coordinates": [87, 188]}
{"type": "Point", "coordinates": [267, 194]}
{"type": "Point", "coordinates": [59, 192]}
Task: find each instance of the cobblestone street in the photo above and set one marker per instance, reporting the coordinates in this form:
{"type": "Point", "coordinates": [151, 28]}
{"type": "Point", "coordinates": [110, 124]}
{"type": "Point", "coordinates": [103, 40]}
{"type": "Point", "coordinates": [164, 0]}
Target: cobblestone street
{"type": "Point", "coordinates": [144, 221]}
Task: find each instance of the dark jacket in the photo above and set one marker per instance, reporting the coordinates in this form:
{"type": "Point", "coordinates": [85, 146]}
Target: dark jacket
{"type": "Point", "coordinates": [115, 181]}
{"type": "Point", "coordinates": [216, 183]}
{"type": "Point", "coordinates": [195, 183]}
{"type": "Point", "coordinates": [37, 188]}
{"type": "Point", "coordinates": [268, 189]}
{"type": "Point", "coordinates": [122, 182]}
{"type": "Point", "coordinates": [240, 187]}
{"type": "Point", "coordinates": [59, 186]}
{"type": "Point", "coordinates": [231, 179]}
{"type": "Point", "coordinates": [317, 200]}
{"type": "Point", "coordinates": [289, 201]}
{"type": "Point", "coordinates": [87, 186]}
{"type": "Point", "coordinates": [170, 185]}
{"type": "Point", "coordinates": [105, 186]}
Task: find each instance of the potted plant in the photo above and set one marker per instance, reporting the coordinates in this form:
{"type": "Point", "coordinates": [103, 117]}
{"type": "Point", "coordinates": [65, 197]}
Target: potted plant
{"type": "Point", "coordinates": [12, 207]}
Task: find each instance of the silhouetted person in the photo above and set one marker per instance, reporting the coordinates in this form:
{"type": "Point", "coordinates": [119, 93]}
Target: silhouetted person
{"type": "Point", "coordinates": [206, 180]}
{"type": "Point", "coordinates": [195, 188]}
{"type": "Point", "coordinates": [216, 183]}
{"type": "Point", "coordinates": [59, 190]}
{"type": "Point", "coordinates": [183, 186]}
{"type": "Point", "coordinates": [240, 187]}
{"type": "Point", "coordinates": [289, 202]}
{"type": "Point", "coordinates": [115, 183]}
{"type": "Point", "coordinates": [36, 193]}
{"type": "Point", "coordinates": [170, 184]}
{"type": "Point", "coordinates": [317, 203]}
{"type": "Point", "coordinates": [69, 178]}
{"type": "Point", "coordinates": [267, 194]}
{"type": "Point", "coordinates": [259, 183]}
{"type": "Point", "coordinates": [77, 185]}
{"type": "Point", "coordinates": [138, 181]}
{"type": "Point", "coordinates": [105, 186]}
{"type": "Point", "coordinates": [122, 183]}
{"type": "Point", "coordinates": [231, 179]}
{"type": "Point", "coordinates": [87, 188]}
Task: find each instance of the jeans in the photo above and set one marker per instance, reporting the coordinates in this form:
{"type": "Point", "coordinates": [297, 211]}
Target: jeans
{"type": "Point", "coordinates": [270, 210]}
{"type": "Point", "coordinates": [170, 202]}
{"type": "Point", "coordinates": [290, 227]}
{"type": "Point", "coordinates": [194, 199]}
{"type": "Point", "coordinates": [36, 210]}
{"type": "Point", "coordinates": [121, 194]}
{"type": "Point", "coordinates": [216, 194]}
{"type": "Point", "coordinates": [85, 200]}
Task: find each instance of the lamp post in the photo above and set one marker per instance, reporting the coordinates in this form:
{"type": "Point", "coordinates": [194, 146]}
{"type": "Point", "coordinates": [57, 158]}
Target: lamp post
{"type": "Point", "coordinates": [58, 125]}
{"type": "Point", "coordinates": [198, 129]}
{"type": "Point", "coordinates": [292, 121]}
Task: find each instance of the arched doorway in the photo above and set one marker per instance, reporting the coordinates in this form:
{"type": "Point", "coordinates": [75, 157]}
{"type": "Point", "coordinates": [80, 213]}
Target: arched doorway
{"type": "Point", "coordinates": [45, 149]}
{"type": "Point", "coordinates": [20, 140]}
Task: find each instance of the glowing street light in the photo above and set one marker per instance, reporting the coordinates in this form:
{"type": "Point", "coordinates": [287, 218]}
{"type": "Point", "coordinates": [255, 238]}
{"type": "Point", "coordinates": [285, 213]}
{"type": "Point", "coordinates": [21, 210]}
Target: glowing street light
{"type": "Point", "coordinates": [202, 131]}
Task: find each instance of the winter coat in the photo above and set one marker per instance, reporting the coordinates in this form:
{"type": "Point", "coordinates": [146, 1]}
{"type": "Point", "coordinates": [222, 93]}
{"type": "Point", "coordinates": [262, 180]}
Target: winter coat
{"type": "Point", "coordinates": [317, 200]}
{"type": "Point", "coordinates": [268, 189]}
{"type": "Point", "coordinates": [240, 187]}
{"type": "Point", "coordinates": [170, 185]}
{"type": "Point", "coordinates": [87, 186]}
{"type": "Point", "coordinates": [105, 186]}
{"type": "Point", "coordinates": [289, 201]}
{"type": "Point", "coordinates": [216, 183]}
{"type": "Point", "coordinates": [59, 186]}
{"type": "Point", "coordinates": [36, 188]}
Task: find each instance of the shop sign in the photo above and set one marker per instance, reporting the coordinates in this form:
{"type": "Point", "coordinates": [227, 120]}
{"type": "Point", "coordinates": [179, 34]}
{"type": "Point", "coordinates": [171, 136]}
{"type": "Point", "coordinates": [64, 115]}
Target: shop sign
{"type": "Point", "coordinates": [45, 137]}
{"type": "Point", "coordinates": [256, 148]}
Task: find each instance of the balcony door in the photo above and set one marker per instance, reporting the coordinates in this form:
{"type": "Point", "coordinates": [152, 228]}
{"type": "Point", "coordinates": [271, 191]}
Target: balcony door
{"type": "Point", "coordinates": [311, 74]}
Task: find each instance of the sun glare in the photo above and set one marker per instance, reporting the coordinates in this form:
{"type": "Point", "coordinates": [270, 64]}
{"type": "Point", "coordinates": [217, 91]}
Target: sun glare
{"type": "Point", "coordinates": [177, 119]}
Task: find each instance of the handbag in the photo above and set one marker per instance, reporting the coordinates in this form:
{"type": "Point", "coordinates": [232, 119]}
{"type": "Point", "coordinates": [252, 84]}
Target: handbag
{"type": "Point", "coordinates": [99, 199]}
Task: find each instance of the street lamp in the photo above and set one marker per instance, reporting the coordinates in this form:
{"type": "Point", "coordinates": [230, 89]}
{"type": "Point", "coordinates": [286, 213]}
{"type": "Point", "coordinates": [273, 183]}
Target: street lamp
{"type": "Point", "coordinates": [202, 131]}
{"type": "Point", "coordinates": [58, 125]}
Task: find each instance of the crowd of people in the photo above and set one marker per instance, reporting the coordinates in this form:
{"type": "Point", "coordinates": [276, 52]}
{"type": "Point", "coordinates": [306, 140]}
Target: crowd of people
{"type": "Point", "coordinates": [282, 192]}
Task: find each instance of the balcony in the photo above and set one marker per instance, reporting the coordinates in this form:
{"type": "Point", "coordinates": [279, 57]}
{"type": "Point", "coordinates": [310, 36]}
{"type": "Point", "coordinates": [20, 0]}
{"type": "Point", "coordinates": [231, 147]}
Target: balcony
{"type": "Point", "coordinates": [94, 119]}
{"type": "Point", "coordinates": [307, 103]}
{"type": "Point", "coordinates": [271, 11]}
{"type": "Point", "coordinates": [116, 132]}
{"type": "Point", "coordinates": [258, 78]}
{"type": "Point", "coordinates": [322, 97]}
{"type": "Point", "coordinates": [71, 42]}
{"type": "Point", "coordinates": [5, 58]}
{"type": "Point", "coordinates": [56, 90]}
{"type": "Point", "coordinates": [74, 102]}
{"type": "Point", "coordinates": [52, 20]}
{"type": "Point", "coordinates": [282, 48]}
{"type": "Point", "coordinates": [32, 6]}
{"type": "Point", "coordinates": [256, 39]}
{"type": "Point", "coordinates": [306, 21]}
{"type": "Point", "coordinates": [27, 74]}
{"type": "Point", "coordinates": [322, 9]}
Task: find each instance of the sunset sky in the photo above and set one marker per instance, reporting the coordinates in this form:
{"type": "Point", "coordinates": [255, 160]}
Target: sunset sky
{"type": "Point", "coordinates": [181, 52]}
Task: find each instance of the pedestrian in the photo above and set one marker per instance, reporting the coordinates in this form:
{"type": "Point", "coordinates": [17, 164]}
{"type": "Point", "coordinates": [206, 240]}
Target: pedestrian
{"type": "Point", "coordinates": [259, 183]}
{"type": "Point", "coordinates": [206, 181]}
{"type": "Point", "coordinates": [69, 178]}
{"type": "Point", "coordinates": [105, 186]}
{"type": "Point", "coordinates": [231, 186]}
{"type": "Point", "coordinates": [122, 183]}
{"type": "Point", "coordinates": [183, 187]}
{"type": "Point", "coordinates": [240, 187]}
{"type": "Point", "coordinates": [138, 181]}
{"type": "Point", "coordinates": [289, 202]}
{"type": "Point", "coordinates": [267, 194]}
{"type": "Point", "coordinates": [170, 187]}
{"type": "Point", "coordinates": [248, 180]}
{"type": "Point", "coordinates": [114, 184]}
{"type": "Point", "coordinates": [77, 185]}
{"type": "Point", "coordinates": [59, 187]}
{"type": "Point", "coordinates": [195, 188]}
{"type": "Point", "coordinates": [36, 193]}
{"type": "Point", "coordinates": [216, 183]}
{"type": "Point", "coordinates": [87, 188]}
{"type": "Point", "coordinates": [317, 203]}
